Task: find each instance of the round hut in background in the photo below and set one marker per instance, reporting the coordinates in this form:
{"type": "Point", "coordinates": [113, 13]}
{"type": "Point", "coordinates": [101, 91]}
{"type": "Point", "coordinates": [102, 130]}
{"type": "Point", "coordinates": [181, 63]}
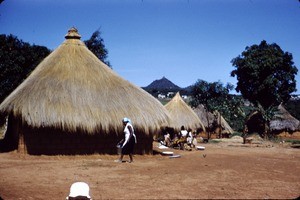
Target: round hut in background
{"type": "Point", "coordinates": [73, 103]}
{"type": "Point", "coordinates": [182, 114]}
{"type": "Point", "coordinates": [283, 121]}
{"type": "Point", "coordinates": [206, 117]}
{"type": "Point", "coordinates": [255, 123]}
{"type": "Point", "coordinates": [214, 122]}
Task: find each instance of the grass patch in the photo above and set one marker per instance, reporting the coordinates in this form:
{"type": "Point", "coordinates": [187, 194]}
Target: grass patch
{"type": "Point", "coordinates": [213, 141]}
{"type": "Point", "coordinates": [293, 141]}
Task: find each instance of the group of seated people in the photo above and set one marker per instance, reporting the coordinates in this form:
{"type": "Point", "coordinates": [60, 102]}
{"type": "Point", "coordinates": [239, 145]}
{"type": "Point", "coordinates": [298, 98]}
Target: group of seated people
{"type": "Point", "coordinates": [185, 139]}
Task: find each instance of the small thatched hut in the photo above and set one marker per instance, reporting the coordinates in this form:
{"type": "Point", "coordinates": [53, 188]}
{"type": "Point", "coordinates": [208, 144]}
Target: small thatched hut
{"type": "Point", "coordinates": [255, 123]}
{"type": "Point", "coordinates": [73, 103]}
{"type": "Point", "coordinates": [226, 130]}
{"type": "Point", "coordinates": [284, 121]}
{"type": "Point", "coordinates": [182, 115]}
{"type": "Point", "coordinates": [213, 121]}
{"type": "Point", "coordinates": [206, 117]}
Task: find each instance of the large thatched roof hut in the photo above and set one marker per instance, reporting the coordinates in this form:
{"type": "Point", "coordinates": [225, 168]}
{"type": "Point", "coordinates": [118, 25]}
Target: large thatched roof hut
{"type": "Point", "coordinates": [73, 103]}
{"type": "Point", "coordinates": [182, 115]}
{"type": "Point", "coordinates": [284, 121]}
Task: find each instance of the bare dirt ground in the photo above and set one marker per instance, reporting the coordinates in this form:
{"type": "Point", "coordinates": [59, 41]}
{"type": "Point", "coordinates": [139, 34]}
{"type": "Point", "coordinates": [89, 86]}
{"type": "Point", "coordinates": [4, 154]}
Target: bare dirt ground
{"type": "Point", "coordinates": [221, 171]}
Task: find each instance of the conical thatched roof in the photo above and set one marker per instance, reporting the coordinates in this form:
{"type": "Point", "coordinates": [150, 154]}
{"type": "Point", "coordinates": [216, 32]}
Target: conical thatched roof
{"type": "Point", "coordinates": [284, 121]}
{"type": "Point", "coordinates": [72, 89]}
{"type": "Point", "coordinates": [225, 126]}
{"type": "Point", "coordinates": [209, 119]}
{"type": "Point", "coordinates": [182, 114]}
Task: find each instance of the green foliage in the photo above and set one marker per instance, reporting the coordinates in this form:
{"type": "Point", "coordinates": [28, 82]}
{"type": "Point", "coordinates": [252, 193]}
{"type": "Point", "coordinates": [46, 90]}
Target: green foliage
{"type": "Point", "coordinates": [163, 101]}
{"type": "Point", "coordinates": [96, 45]}
{"type": "Point", "coordinates": [265, 74]}
{"type": "Point", "coordinates": [296, 142]}
{"type": "Point", "coordinates": [293, 107]}
{"type": "Point", "coordinates": [214, 141]}
{"type": "Point", "coordinates": [215, 96]}
{"type": "Point", "coordinates": [293, 141]}
{"type": "Point", "coordinates": [18, 59]}
{"type": "Point", "coordinates": [209, 94]}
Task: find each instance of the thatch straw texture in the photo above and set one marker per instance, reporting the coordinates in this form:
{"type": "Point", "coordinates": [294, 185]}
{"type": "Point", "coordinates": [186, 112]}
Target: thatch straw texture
{"type": "Point", "coordinates": [207, 118]}
{"type": "Point", "coordinates": [182, 114]}
{"type": "Point", "coordinates": [72, 89]}
{"type": "Point", "coordinates": [284, 121]}
{"type": "Point", "coordinates": [224, 124]}
{"type": "Point", "coordinates": [210, 120]}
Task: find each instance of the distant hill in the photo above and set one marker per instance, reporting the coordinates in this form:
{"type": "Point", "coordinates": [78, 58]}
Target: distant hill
{"type": "Point", "coordinates": [162, 84]}
{"type": "Point", "coordinates": [188, 89]}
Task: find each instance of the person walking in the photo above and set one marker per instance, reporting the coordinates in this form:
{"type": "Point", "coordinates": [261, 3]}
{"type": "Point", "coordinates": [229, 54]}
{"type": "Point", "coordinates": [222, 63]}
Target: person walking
{"type": "Point", "coordinates": [129, 140]}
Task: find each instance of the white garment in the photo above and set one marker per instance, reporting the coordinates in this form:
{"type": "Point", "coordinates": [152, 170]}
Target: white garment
{"type": "Point", "coordinates": [127, 133]}
{"type": "Point", "coordinates": [189, 138]}
{"type": "Point", "coordinates": [183, 133]}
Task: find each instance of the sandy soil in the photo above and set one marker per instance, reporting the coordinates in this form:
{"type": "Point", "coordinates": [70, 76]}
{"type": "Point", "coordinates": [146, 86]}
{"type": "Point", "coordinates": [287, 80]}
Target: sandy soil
{"type": "Point", "coordinates": [221, 171]}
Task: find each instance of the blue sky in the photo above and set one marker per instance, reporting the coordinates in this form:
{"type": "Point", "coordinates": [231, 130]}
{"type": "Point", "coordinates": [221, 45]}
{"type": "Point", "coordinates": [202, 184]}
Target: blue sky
{"type": "Point", "coordinates": [183, 40]}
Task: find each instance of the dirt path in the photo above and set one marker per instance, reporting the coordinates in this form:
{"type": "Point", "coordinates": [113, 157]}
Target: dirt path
{"type": "Point", "coordinates": [220, 171]}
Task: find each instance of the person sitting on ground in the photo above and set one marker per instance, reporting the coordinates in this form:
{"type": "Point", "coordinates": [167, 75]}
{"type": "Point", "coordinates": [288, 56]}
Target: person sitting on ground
{"type": "Point", "coordinates": [175, 140]}
{"type": "Point", "coordinates": [183, 135]}
{"type": "Point", "coordinates": [167, 140]}
{"type": "Point", "coordinates": [189, 138]}
{"type": "Point", "coordinates": [194, 141]}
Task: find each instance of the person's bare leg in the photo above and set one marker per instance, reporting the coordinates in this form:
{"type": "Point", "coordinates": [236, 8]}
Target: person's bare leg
{"type": "Point", "coordinates": [131, 158]}
{"type": "Point", "coordinates": [120, 159]}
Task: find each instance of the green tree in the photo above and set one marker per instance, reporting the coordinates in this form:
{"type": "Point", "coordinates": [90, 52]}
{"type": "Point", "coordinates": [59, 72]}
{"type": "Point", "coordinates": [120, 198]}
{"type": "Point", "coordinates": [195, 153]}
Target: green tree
{"type": "Point", "coordinates": [265, 74]}
{"type": "Point", "coordinates": [266, 77]}
{"type": "Point", "coordinates": [293, 107]}
{"type": "Point", "coordinates": [215, 96]}
{"type": "Point", "coordinates": [18, 59]}
{"type": "Point", "coordinates": [96, 45]}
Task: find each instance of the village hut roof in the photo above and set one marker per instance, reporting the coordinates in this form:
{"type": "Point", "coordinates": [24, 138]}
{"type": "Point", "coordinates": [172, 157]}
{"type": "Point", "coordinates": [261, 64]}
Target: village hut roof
{"type": "Point", "coordinates": [284, 121]}
{"type": "Point", "coordinates": [182, 114]}
{"type": "Point", "coordinates": [226, 128]}
{"type": "Point", "coordinates": [255, 123]}
{"type": "Point", "coordinates": [208, 119]}
{"type": "Point", "coordinates": [72, 89]}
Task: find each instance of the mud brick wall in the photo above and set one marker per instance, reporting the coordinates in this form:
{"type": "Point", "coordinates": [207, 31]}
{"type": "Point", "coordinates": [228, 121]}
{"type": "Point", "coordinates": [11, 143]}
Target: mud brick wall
{"type": "Point", "coordinates": [49, 141]}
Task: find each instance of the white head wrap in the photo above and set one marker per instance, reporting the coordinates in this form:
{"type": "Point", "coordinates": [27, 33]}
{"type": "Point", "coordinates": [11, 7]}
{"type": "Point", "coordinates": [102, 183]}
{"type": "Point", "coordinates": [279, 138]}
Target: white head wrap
{"type": "Point", "coordinates": [80, 189]}
{"type": "Point", "coordinates": [125, 119]}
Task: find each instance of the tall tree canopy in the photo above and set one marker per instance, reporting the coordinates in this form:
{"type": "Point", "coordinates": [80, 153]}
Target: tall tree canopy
{"type": "Point", "coordinates": [265, 74]}
{"type": "Point", "coordinates": [18, 59]}
{"type": "Point", "coordinates": [96, 45]}
{"type": "Point", "coordinates": [215, 96]}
